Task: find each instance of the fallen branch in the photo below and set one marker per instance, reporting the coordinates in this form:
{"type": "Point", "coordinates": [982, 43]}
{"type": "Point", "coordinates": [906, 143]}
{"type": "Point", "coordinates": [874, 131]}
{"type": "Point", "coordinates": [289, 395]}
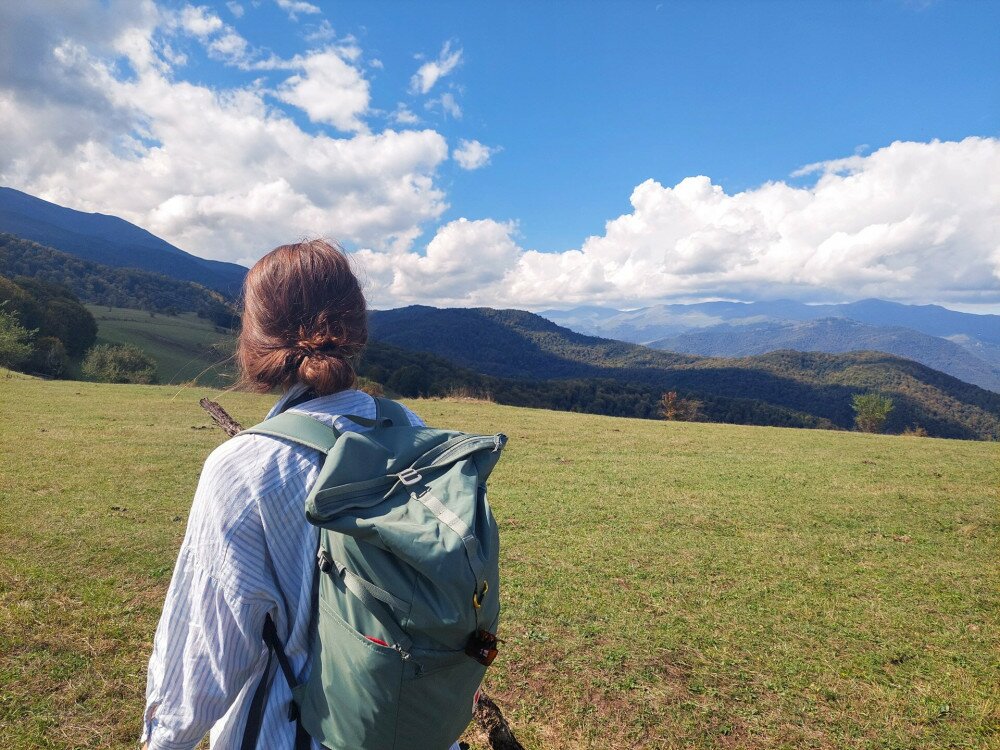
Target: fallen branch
{"type": "Point", "coordinates": [487, 713]}
{"type": "Point", "coordinates": [221, 417]}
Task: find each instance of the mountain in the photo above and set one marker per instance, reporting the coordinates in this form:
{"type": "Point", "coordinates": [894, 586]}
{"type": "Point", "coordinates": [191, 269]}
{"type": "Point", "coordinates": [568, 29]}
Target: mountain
{"type": "Point", "coordinates": [835, 335]}
{"type": "Point", "coordinates": [111, 287]}
{"type": "Point", "coordinates": [754, 390]}
{"type": "Point", "coordinates": [664, 325]}
{"type": "Point", "coordinates": [659, 321]}
{"type": "Point", "coordinates": [110, 241]}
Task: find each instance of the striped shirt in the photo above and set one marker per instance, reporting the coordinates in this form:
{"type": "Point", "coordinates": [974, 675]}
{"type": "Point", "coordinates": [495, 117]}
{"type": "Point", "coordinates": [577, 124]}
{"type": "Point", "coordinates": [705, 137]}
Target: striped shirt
{"type": "Point", "coordinates": [248, 551]}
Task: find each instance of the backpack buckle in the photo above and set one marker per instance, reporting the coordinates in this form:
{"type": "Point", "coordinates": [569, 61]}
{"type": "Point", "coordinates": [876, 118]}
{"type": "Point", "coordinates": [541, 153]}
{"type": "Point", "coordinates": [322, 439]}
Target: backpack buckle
{"type": "Point", "coordinates": [409, 476]}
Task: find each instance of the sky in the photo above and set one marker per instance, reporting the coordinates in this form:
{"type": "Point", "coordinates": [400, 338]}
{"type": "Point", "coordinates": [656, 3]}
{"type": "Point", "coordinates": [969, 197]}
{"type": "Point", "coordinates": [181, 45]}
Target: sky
{"type": "Point", "coordinates": [532, 154]}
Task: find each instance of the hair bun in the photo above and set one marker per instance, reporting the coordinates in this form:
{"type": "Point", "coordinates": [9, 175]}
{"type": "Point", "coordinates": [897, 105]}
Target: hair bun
{"type": "Point", "coordinates": [318, 343]}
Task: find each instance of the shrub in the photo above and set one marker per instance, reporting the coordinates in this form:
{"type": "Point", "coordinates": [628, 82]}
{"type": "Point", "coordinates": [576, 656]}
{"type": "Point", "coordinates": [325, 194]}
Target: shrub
{"type": "Point", "coordinates": [119, 364]}
{"type": "Point", "coordinates": [915, 431]}
{"type": "Point", "coordinates": [468, 393]}
{"type": "Point", "coordinates": [676, 409]}
{"type": "Point", "coordinates": [48, 358]}
{"type": "Point", "coordinates": [15, 340]}
{"type": "Point", "coordinates": [870, 411]}
{"type": "Point", "coordinates": [370, 387]}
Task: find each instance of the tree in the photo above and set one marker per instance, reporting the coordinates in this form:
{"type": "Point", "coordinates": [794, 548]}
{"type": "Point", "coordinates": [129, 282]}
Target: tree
{"type": "Point", "coordinates": [870, 411]}
{"type": "Point", "coordinates": [124, 363]}
{"type": "Point", "coordinates": [410, 381]}
{"type": "Point", "coordinates": [15, 340]}
{"type": "Point", "coordinates": [676, 409]}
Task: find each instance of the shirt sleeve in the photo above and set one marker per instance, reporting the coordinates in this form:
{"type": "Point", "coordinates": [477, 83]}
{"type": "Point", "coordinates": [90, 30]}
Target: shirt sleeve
{"type": "Point", "coordinates": [208, 642]}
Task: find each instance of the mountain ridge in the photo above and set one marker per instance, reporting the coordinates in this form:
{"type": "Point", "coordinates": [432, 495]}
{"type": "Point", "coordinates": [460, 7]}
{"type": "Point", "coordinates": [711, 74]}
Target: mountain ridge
{"type": "Point", "coordinates": [111, 241]}
{"type": "Point", "coordinates": [515, 344]}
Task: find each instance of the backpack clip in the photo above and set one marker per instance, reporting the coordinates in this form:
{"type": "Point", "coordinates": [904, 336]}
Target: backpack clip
{"type": "Point", "coordinates": [409, 476]}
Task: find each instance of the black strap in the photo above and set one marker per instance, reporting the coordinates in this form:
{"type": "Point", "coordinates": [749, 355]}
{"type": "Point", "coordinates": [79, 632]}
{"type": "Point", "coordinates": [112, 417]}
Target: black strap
{"type": "Point", "coordinates": [256, 716]}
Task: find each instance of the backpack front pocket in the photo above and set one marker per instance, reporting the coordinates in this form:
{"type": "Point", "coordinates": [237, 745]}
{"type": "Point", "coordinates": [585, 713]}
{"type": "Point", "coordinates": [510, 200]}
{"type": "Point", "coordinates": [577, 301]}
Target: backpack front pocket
{"type": "Point", "coordinates": [351, 698]}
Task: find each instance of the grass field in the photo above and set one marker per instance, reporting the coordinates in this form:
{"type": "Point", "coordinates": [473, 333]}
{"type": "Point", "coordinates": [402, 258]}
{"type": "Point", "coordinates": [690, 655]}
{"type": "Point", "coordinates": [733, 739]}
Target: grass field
{"type": "Point", "coordinates": [666, 585]}
{"type": "Point", "coordinates": [184, 346]}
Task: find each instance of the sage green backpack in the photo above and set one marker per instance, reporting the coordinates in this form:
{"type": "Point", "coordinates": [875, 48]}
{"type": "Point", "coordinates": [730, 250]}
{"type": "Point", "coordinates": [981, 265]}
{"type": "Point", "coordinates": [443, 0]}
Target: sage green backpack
{"type": "Point", "coordinates": [407, 604]}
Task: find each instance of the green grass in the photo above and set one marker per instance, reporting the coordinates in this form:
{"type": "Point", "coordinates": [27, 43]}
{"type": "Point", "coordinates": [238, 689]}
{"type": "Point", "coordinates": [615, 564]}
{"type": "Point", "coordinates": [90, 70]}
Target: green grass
{"type": "Point", "coordinates": [185, 347]}
{"type": "Point", "coordinates": [665, 585]}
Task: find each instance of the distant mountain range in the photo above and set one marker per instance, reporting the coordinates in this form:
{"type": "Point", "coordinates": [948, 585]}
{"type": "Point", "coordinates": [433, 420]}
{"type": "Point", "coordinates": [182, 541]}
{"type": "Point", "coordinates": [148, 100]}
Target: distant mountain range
{"type": "Point", "coordinates": [725, 358]}
{"type": "Point", "coordinates": [110, 241]}
{"type": "Point", "coordinates": [960, 344]}
{"type": "Point", "coordinates": [785, 387]}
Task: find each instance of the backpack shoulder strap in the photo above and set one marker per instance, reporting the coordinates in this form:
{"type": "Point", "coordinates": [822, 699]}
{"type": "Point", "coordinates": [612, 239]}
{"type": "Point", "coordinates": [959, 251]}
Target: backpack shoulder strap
{"type": "Point", "coordinates": [388, 409]}
{"type": "Point", "coordinates": [298, 428]}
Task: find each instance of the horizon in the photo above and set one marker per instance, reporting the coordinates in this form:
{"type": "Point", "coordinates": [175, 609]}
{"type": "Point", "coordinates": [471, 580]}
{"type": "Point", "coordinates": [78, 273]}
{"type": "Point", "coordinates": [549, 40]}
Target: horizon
{"type": "Point", "coordinates": [758, 151]}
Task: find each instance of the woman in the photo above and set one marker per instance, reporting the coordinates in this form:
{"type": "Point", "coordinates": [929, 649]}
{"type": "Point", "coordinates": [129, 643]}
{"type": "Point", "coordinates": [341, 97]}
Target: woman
{"type": "Point", "coordinates": [249, 550]}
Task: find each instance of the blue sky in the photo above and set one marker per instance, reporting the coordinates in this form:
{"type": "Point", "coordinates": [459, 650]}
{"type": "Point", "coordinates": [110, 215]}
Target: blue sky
{"type": "Point", "coordinates": [588, 99]}
{"type": "Point", "coordinates": [621, 152]}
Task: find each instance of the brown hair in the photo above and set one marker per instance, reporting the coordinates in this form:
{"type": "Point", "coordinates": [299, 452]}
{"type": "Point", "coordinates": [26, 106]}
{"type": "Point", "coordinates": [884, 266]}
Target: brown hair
{"type": "Point", "coordinates": [304, 320]}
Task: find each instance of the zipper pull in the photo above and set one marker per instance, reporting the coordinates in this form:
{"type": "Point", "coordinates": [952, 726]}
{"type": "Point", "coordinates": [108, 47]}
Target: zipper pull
{"type": "Point", "coordinates": [404, 655]}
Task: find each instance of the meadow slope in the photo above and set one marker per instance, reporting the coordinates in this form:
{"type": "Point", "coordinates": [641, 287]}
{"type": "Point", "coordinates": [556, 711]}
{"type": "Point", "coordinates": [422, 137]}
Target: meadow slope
{"type": "Point", "coordinates": [666, 585]}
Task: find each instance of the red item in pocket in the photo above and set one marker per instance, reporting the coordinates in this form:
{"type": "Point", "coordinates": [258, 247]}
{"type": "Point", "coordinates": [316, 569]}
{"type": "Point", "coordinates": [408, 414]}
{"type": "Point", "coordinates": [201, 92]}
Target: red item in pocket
{"type": "Point", "coordinates": [379, 641]}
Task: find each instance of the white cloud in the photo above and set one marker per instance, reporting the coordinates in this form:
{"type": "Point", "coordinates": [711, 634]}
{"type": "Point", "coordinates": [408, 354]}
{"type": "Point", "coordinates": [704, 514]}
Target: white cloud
{"type": "Point", "coordinates": [432, 71]}
{"type": "Point", "coordinates": [449, 106]}
{"type": "Point", "coordinates": [199, 21]}
{"type": "Point", "coordinates": [96, 115]}
{"type": "Point", "coordinates": [324, 32]}
{"type": "Point", "coordinates": [463, 258]}
{"type": "Point", "coordinates": [472, 154]}
{"type": "Point", "coordinates": [329, 90]}
{"type": "Point", "coordinates": [294, 7]}
{"type": "Point", "coordinates": [916, 222]}
{"type": "Point", "coordinates": [235, 8]}
{"type": "Point", "coordinates": [219, 172]}
{"type": "Point", "coordinates": [402, 115]}
{"type": "Point", "coordinates": [221, 41]}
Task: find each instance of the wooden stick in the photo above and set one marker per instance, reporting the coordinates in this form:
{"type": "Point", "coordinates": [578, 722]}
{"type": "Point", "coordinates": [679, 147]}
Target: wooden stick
{"type": "Point", "coordinates": [221, 417]}
{"type": "Point", "coordinates": [487, 713]}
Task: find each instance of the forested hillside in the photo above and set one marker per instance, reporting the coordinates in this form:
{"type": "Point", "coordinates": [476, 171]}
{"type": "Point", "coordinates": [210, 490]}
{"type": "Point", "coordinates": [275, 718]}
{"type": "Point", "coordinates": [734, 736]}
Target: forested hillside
{"type": "Point", "coordinates": [113, 287]}
{"type": "Point", "coordinates": [835, 335]}
{"type": "Point", "coordinates": [516, 344]}
{"type": "Point", "coordinates": [110, 241]}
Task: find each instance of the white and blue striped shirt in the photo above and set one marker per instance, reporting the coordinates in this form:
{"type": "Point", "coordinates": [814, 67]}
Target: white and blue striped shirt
{"type": "Point", "coordinates": [248, 551]}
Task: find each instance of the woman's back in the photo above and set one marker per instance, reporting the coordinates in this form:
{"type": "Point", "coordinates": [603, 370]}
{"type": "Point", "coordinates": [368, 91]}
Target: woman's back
{"type": "Point", "coordinates": [248, 551]}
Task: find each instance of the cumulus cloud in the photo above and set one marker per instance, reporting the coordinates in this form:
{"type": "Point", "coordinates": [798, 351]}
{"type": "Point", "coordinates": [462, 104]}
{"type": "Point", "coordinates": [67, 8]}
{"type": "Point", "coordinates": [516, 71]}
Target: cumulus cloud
{"type": "Point", "coordinates": [96, 115]}
{"type": "Point", "coordinates": [95, 118]}
{"type": "Point", "coordinates": [472, 154]}
{"type": "Point", "coordinates": [294, 7]}
{"type": "Point", "coordinates": [463, 259]}
{"type": "Point", "coordinates": [329, 90]}
{"type": "Point", "coordinates": [915, 222]}
{"type": "Point", "coordinates": [402, 115]}
{"type": "Point", "coordinates": [432, 71]}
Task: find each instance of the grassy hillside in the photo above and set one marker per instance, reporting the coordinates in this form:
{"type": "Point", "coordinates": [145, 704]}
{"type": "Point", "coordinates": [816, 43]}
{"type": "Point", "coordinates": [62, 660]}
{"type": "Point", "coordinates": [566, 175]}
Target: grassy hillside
{"type": "Point", "coordinates": [184, 346]}
{"type": "Point", "coordinates": [666, 585]}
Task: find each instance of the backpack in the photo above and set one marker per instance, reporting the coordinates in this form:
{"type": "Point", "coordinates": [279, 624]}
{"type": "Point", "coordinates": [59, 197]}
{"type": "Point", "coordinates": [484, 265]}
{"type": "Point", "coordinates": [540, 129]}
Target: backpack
{"type": "Point", "coordinates": [407, 600]}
